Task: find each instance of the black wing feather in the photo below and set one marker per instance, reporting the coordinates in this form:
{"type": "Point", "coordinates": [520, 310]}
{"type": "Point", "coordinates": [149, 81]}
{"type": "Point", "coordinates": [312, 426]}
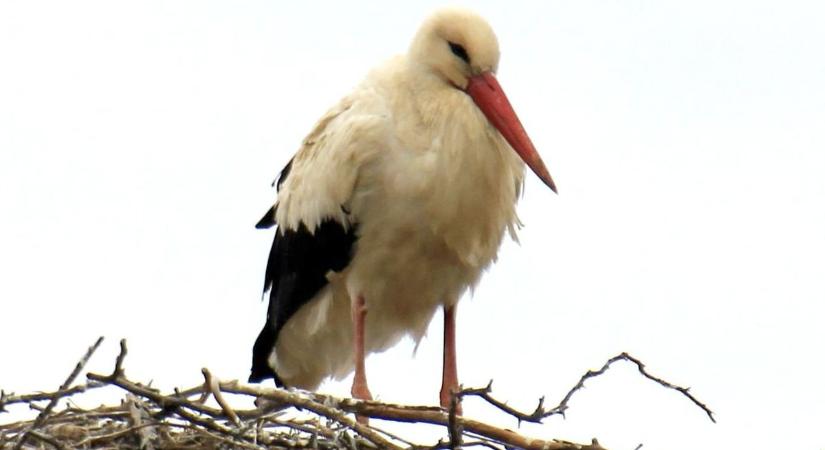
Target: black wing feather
{"type": "Point", "coordinates": [296, 270]}
{"type": "Point", "coordinates": [268, 220]}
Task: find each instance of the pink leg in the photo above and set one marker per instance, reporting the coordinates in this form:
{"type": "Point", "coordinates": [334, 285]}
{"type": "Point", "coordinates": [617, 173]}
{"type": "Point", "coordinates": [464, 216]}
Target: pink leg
{"type": "Point", "coordinates": [449, 374]}
{"type": "Point", "coordinates": [360, 390]}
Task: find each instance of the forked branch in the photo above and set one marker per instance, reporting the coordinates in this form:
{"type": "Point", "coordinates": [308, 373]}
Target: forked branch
{"type": "Point", "coordinates": [541, 413]}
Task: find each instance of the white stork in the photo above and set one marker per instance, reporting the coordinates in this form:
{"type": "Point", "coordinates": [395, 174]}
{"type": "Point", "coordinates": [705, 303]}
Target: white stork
{"type": "Point", "coordinates": [394, 205]}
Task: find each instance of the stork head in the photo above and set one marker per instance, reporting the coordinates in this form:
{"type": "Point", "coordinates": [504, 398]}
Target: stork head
{"type": "Point", "coordinates": [460, 48]}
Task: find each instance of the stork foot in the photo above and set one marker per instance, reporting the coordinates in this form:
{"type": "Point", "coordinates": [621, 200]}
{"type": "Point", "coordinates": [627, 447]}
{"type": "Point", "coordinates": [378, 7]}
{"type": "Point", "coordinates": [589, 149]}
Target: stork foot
{"type": "Point", "coordinates": [446, 396]}
{"type": "Point", "coordinates": [360, 391]}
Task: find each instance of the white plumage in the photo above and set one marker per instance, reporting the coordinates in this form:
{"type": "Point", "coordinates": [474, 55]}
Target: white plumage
{"type": "Point", "coordinates": [412, 166]}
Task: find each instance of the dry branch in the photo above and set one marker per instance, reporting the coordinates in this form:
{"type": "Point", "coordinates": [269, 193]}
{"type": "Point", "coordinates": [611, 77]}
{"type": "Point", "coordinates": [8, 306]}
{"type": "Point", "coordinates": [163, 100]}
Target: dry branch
{"type": "Point", "coordinates": [149, 418]}
{"type": "Point", "coordinates": [53, 402]}
{"type": "Point", "coordinates": [10, 399]}
{"type": "Point", "coordinates": [540, 413]}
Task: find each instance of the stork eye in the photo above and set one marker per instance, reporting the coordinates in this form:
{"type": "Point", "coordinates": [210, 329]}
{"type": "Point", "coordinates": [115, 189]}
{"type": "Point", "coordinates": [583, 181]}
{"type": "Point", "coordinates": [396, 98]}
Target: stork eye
{"type": "Point", "coordinates": [460, 51]}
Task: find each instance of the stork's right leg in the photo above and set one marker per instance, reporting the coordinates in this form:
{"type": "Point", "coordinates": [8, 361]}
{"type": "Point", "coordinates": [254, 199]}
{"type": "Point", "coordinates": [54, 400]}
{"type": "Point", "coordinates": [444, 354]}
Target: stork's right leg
{"type": "Point", "coordinates": [359, 382]}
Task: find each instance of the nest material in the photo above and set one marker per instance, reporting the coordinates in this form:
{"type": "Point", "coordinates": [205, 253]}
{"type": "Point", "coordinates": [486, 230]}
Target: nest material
{"type": "Point", "coordinates": [150, 419]}
{"type": "Point", "coordinates": [138, 424]}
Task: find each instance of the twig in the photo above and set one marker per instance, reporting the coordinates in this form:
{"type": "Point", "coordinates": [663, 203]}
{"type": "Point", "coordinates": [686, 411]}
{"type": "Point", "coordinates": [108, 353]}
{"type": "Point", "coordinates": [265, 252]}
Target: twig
{"type": "Point", "coordinates": [167, 402]}
{"type": "Point", "coordinates": [47, 439]}
{"type": "Point", "coordinates": [10, 399]}
{"type": "Point", "coordinates": [69, 380]}
{"type": "Point", "coordinates": [641, 367]}
{"type": "Point", "coordinates": [453, 426]}
{"type": "Point", "coordinates": [399, 413]}
{"type": "Point", "coordinates": [314, 428]}
{"type": "Point", "coordinates": [117, 434]}
{"type": "Point", "coordinates": [137, 413]}
{"type": "Point", "coordinates": [683, 390]}
{"type": "Point", "coordinates": [392, 435]}
{"type": "Point", "coordinates": [211, 385]}
{"type": "Point", "coordinates": [118, 370]}
{"type": "Point", "coordinates": [480, 444]}
{"type": "Point", "coordinates": [321, 408]}
{"type": "Point", "coordinates": [540, 413]}
{"type": "Point", "coordinates": [332, 427]}
{"type": "Point", "coordinates": [536, 416]}
{"type": "Point", "coordinates": [223, 439]}
{"type": "Point", "coordinates": [180, 406]}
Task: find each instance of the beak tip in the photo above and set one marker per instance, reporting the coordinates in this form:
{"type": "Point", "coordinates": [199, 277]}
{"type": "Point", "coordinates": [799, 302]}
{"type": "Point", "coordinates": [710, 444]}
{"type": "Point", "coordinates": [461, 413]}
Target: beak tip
{"type": "Point", "coordinates": [545, 177]}
{"type": "Point", "coordinates": [552, 187]}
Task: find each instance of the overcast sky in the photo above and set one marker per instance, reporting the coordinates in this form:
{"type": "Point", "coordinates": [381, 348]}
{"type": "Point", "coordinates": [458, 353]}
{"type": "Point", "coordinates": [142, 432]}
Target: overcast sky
{"type": "Point", "coordinates": [138, 141]}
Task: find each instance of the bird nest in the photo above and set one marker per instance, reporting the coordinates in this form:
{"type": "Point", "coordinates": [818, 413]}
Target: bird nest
{"type": "Point", "coordinates": [202, 418]}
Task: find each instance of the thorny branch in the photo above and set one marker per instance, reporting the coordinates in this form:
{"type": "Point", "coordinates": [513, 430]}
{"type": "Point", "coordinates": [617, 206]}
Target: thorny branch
{"type": "Point", "coordinates": [540, 413]}
{"type": "Point", "coordinates": [149, 415]}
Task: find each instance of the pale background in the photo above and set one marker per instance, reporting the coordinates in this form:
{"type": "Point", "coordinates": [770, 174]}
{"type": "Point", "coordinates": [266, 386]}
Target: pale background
{"type": "Point", "coordinates": [138, 141]}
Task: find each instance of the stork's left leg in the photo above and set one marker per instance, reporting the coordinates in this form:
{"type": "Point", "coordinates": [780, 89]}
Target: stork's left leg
{"type": "Point", "coordinates": [449, 374]}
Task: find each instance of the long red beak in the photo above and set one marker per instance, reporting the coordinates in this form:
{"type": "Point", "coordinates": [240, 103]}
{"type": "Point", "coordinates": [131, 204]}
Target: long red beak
{"type": "Point", "coordinates": [490, 99]}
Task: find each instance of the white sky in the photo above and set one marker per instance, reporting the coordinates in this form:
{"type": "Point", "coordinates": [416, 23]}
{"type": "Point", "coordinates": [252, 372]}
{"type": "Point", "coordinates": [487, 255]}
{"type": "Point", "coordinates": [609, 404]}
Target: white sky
{"type": "Point", "coordinates": [138, 141]}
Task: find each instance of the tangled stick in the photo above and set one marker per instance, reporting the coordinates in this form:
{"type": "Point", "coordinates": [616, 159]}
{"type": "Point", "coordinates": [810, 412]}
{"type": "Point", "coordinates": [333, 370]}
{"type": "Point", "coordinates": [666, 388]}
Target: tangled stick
{"type": "Point", "coordinates": [53, 402]}
{"type": "Point", "coordinates": [182, 418]}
